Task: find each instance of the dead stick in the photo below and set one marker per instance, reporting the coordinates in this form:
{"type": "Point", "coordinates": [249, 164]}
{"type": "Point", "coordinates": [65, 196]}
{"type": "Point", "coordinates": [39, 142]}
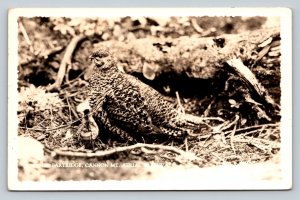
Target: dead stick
{"type": "Point", "coordinates": [180, 107]}
{"type": "Point", "coordinates": [122, 149]}
{"type": "Point", "coordinates": [232, 138]}
{"type": "Point", "coordinates": [186, 144]}
{"type": "Point", "coordinates": [196, 26]}
{"type": "Point", "coordinates": [208, 135]}
{"type": "Point", "coordinates": [250, 79]}
{"type": "Point", "coordinates": [228, 125]}
{"type": "Point", "coordinates": [54, 128]}
{"type": "Point", "coordinates": [256, 127]}
{"type": "Point", "coordinates": [23, 30]}
{"type": "Point", "coordinates": [65, 61]}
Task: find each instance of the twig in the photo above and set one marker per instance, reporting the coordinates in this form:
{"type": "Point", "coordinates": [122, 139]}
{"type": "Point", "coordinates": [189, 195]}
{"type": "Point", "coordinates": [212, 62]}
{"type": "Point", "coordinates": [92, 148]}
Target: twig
{"type": "Point", "coordinates": [147, 151]}
{"type": "Point", "coordinates": [59, 113]}
{"type": "Point", "coordinates": [121, 149]}
{"type": "Point", "coordinates": [232, 138]}
{"type": "Point", "coordinates": [181, 108]}
{"type": "Point", "coordinates": [249, 133]}
{"type": "Point", "coordinates": [242, 129]}
{"type": "Point", "coordinates": [54, 128]}
{"type": "Point", "coordinates": [73, 82]}
{"type": "Point", "coordinates": [230, 124]}
{"type": "Point", "coordinates": [261, 130]}
{"type": "Point", "coordinates": [51, 117]}
{"type": "Point", "coordinates": [200, 121]}
{"type": "Point", "coordinates": [209, 135]}
{"type": "Point", "coordinates": [219, 129]}
{"type": "Point", "coordinates": [23, 30]}
{"type": "Point", "coordinates": [233, 132]}
{"type": "Point", "coordinates": [206, 139]}
{"type": "Point", "coordinates": [186, 144]}
{"type": "Point", "coordinates": [207, 110]}
{"type": "Point", "coordinates": [69, 107]}
{"type": "Point", "coordinates": [268, 133]}
{"type": "Point", "coordinates": [257, 126]}
{"type": "Point", "coordinates": [73, 110]}
{"type": "Point", "coordinates": [221, 159]}
{"type": "Point", "coordinates": [251, 81]}
{"type": "Point", "coordinates": [65, 61]}
{"type": "Point", "coordinates": [196, 26]}
{"type": "Point", "coordinates": [200, 30]}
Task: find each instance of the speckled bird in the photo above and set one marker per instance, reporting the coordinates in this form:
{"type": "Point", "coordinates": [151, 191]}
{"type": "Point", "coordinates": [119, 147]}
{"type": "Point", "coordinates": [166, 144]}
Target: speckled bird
{"type": "Point", "coordinates": [124, 106]}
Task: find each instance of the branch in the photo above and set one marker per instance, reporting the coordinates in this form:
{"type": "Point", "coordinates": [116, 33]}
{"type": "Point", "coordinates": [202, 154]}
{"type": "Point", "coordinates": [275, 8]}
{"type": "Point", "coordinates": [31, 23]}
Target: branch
{"type": "Point", "coordinates": [198, 57]}
{"type": "Point", "coordinates": [175, 150]}
{"type": "Point", "coordinates": [65, 61]}
{"type": "Point", "coordinates": [247, 130]}
{"type": "Point", "coordinates": [29, 43]}
{"type": "Point", "coordinates": [249, 78]}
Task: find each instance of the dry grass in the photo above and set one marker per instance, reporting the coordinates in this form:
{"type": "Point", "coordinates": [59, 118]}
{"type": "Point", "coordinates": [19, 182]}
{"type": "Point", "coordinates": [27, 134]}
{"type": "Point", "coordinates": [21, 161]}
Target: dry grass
{"type": "Point", "coordinates": [224, 143]}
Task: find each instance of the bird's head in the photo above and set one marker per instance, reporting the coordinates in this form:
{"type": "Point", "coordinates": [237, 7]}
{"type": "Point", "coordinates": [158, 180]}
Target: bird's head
{"type": "Point", "coordinates": [103, 59]}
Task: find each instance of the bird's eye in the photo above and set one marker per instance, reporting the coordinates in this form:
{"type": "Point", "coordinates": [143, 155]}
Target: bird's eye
{"type": "Point", "coordinates": [98, 59]}
{"type": "Point", "coordinates": [104, 54]}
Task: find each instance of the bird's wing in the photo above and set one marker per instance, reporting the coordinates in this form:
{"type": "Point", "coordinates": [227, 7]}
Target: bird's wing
{"type": "Point", "coordinates": [129, 106]}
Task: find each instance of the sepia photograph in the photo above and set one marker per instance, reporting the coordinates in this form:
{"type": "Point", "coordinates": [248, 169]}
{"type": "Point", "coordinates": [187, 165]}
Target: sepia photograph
{"type": "Point", "coordinates": [150, 99]}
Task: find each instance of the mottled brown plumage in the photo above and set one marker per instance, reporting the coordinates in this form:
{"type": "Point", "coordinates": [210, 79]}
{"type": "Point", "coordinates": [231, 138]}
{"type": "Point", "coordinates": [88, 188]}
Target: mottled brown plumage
{"type": "Point", "coordinates": [124, 106]}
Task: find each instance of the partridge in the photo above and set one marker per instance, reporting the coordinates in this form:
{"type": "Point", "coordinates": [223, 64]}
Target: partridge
{"type": "Point", "coordinates": [124, 106]}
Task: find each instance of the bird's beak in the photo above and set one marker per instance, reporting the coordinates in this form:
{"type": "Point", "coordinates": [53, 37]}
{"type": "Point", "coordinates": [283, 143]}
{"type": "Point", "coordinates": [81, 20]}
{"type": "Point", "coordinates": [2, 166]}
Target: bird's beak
{"type": "Point", "coordinates": [91, 57]}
